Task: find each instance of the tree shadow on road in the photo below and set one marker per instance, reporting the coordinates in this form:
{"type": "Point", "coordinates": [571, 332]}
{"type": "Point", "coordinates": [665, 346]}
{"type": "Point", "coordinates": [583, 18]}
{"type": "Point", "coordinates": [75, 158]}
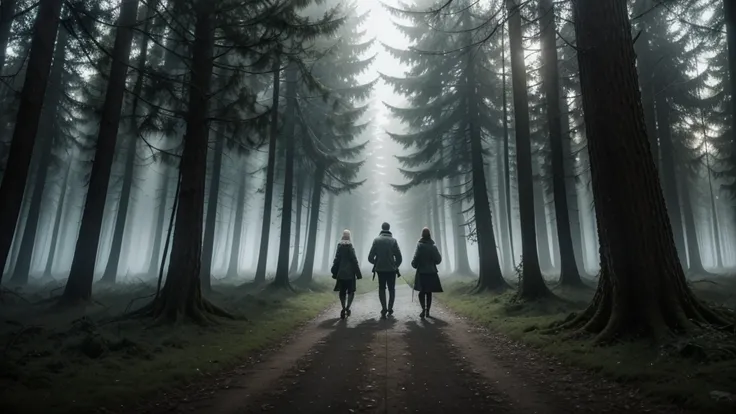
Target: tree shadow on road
{"type": "Point", "coordinates": [331, 375]}
{"type": "Point", "coordinates": [439, 379]}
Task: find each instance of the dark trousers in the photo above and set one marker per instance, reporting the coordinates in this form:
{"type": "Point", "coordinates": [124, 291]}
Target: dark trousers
{"type": "Point", "coordinates": [387, 279]}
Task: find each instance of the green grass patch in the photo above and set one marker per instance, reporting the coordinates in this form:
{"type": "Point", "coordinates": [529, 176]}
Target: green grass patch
{"type": "Point", "coordinates": [677, 372]}
{"type": "Point", "coordinates": [74, 363]}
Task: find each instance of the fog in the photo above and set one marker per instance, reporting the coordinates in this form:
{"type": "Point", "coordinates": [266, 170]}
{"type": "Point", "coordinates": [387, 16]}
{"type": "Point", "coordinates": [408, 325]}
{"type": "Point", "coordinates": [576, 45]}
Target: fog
{"type": "Point", "coordinates": [361, 194]}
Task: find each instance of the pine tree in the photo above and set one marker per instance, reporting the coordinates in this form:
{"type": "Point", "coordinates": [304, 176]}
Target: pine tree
{"type": "Point", "coordinates": [330, 124]}
{"type": "Point", "coordinates": [532, 284]}
{"type": "Point", "coordinates": [634, 231]}
{"type": "Point", "coordinates": [79, 284]}
{"type": "Point", "coordinates": [569, 275]}
{"type": "Point", "coordinates": [448, 116]}
{"type": "Point", "coordinates": [27, 122]}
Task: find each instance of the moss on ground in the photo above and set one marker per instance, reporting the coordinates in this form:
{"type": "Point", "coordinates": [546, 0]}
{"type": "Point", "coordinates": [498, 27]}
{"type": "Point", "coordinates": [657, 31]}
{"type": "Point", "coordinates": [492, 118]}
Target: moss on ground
{"type": "Point", "coordinates": [686, 372]}
{"type": "Point", "coordinates": [75, 362]}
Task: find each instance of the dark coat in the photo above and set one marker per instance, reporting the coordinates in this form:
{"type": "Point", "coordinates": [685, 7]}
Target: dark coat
{"type": "Point", "coordinates": [385, 255]}
{"type": "Point", "coordinates": [426, 258]}
{"type": "Point", "coordinates": [345, 265]}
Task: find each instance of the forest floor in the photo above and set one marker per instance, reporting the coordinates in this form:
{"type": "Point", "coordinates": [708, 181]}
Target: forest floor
{"type": "Point", "coordinates": [405, 364]}
{"type": "Point", "coordinates": [697, 372]}
{"type": "Point", "coordinates": [476, 354]}
{"type": "Point", "coordinates": [78, 362]}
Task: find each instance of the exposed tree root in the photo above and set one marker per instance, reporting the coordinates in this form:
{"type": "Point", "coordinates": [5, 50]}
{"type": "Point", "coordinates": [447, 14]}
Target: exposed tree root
{"type": "Point", "coordinates": [304, 280]}
{"type": "Point", "coordinates": [537, 293]}
{"type": "Point", "coordinates": [666, 318]}
{"type": "Point", "coordinates": [488, 287]}
{"type": "Point", "coordinates": [280, 286]}
{"type": "Point", "coordinates": [201, 313]}
{"type": "Point", "coordinates": [575, 284]}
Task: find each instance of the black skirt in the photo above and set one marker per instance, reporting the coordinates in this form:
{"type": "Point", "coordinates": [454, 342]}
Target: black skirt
{"type": "Point", "coordinates": [345, 284]}
{"type": "Point", "coordinates": [427, 282]}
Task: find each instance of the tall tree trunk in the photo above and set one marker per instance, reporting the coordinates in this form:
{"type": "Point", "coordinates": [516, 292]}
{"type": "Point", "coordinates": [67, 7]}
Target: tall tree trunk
{"type": "Point", "coordinates": [436, 229]}
{"type": "Point", "coordinates": [506, 155]}
{"type": "Point", "coordinates": [7, 12]}
{"type": "Point", "coordinates": [443, 224]}
{"type": "Point", "coordinates": [532, 284]}
{"type": "Point", "coordinates": [540, 222]}
{"type": "Point", "coordinates": [693, 247]}
{"type": "Point", "coordinates": [328, 227]}
{"type": "Point", "coordinates": [646, 65]}
{"type": "Point", "coordinates": [642, 290]}
{"type": "Point", "coordinates": [57, 222]}
{"type": "Point", "coordinates": [46, 140]}
{"type": "Point", "coordinates": [208, 244]}
{"type": "Point", "coordinates": [260, 276]}
{"type": "Point", "coordinates": [308, 272]}
{"type": "Point", "coordinates": [27, 122]}
{"type": "Point", "coordinates": [111, 268]}
{"type": "Point", "coordinates": [669, 174]}
{"type": "Point", "coordinates": [79, 286]}
{"type": "Point", "coordinates": [307, 190]}
{"type": "Point", "coordinates": [569, 275]}
{"type": "Point", "coordinates": [570, 164]}
{"type": "Point", "coordinates": [503, 214]}
{"type": "Point", "coordinates": [181, 296]}
{"type": "Point", "coordinates": [462, 265]}
{"type": "Point", "coordinates": [489, 273]}
{"type": "Point", "coordinates": [730, 11]}
{"type": "Point", "coordinates": [159, 222]}
{"type": "Point", "coordinates": [281, 279]}
{"type": "Point", "coordinates": [232, 269]}
{"type": "Point", "coordinates": [294, 267]}
{"type": "Point", "coordinates": [714, 218]}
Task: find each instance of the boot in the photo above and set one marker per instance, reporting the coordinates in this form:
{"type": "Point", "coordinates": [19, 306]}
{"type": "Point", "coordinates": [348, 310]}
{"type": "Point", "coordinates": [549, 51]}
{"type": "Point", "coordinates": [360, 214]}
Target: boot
{"type": "Point", "coordinates": [342, 302]}
{"type": "Point", "coordinates": [351, 296]}
{"type": "Point", "coordinates": [382, 298]}
{"type": "Point", "coordinates": [422, 301]}
{"type": "Point", "coordinates": [429, 304]}
{"type": "Point", "coordinates": [391, 298]}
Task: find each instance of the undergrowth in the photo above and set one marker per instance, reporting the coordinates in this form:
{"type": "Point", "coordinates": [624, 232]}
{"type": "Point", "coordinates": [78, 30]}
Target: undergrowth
{"type": "Point", "coordinates": [78, 361]}
{"type": "Point", "coordinates": [697, 372]}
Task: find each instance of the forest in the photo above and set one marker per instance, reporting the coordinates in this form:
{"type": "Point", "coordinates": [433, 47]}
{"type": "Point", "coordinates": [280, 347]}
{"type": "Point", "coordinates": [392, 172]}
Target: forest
{"type": "Point", "coordinates": [175, 176]}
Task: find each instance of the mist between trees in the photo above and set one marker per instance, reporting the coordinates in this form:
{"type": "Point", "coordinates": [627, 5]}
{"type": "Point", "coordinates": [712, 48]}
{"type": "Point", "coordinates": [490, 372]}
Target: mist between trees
{"type": "Point", "coordinates": [197, 144]}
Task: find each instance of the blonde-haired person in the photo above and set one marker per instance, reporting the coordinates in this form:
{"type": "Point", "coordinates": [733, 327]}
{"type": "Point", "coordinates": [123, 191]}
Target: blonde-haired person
{"type": "Point", "coordinates": [427, 281]}
{"type": "Point", "coordinates": [345, 269]}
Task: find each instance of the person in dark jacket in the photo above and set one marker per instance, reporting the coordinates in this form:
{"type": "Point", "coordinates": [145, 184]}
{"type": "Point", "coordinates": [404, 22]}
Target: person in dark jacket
{"type": "Point", "coordinates": [427, 281]}
{"type": "Point", "coordinates": [385, 257]}
{"type": "Point", "coordinates": [345, 270]}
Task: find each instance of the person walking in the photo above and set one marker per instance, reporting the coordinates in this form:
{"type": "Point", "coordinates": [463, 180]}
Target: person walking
{"type": "Point", "coordinates": [385, 256]}
{"type": "Point", "coordinates": [427, 281]}
{"type": "Point", "coordinates": [345, 270]}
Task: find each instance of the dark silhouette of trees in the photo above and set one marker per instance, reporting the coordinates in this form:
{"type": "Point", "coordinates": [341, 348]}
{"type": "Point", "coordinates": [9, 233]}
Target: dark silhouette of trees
{"type": "Point", "coordinates": [27, 122]}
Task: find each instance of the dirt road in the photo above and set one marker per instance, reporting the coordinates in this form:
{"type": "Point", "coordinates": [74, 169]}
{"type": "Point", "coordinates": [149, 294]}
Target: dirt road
{"type": "Point", "coordinates": [405, 364]}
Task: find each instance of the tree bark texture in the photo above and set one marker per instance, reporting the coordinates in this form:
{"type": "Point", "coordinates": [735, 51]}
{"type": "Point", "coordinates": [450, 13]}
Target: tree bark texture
{"type": "Point", "coordinates": [27, 122]}
{"type": "Point", "coordinates": [532, 284]}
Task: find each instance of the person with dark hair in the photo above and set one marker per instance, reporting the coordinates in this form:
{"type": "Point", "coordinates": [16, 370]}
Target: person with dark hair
{"type": "Point", "coordinates": [345, 270]}
{"type": "Point", "coordinates": [427, 281]}
{"type": "Point", "coordinates": [385, 256]}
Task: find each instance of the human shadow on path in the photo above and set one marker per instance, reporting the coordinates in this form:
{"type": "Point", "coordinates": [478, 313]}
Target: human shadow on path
{"type": "Point", "coordinates": [332, 377]}
{"type": "Point", "coordinates": [439, 379]}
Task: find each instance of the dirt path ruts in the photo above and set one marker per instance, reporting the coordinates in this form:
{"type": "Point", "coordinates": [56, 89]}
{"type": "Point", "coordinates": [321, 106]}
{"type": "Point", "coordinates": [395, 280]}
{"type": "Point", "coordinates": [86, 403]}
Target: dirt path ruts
{"type": "Point", "coordinates": [406, 364]}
